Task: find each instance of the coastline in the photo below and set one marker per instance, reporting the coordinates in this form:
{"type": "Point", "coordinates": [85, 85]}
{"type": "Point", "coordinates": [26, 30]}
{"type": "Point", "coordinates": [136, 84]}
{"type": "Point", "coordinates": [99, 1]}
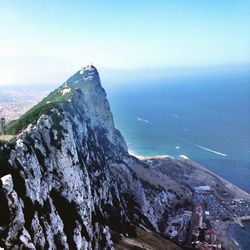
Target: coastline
{"type": "Point", "coordinates": [236, 232]}
{"type": "Point", "coordinates": [224, 228]}
{"type": "Point", "coordinates": [240, 220]}
{"type": "Point", "coordinates": [231, 236]}
{"type": "Point", "coordinates": [145, 157]}
{"type": "Point", "coordinates": [225, 236]}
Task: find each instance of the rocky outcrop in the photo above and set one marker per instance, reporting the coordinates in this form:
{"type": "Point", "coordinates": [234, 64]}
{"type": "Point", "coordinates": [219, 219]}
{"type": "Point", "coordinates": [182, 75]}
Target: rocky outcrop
{"type": "Point", "coordinates": [69, 182]}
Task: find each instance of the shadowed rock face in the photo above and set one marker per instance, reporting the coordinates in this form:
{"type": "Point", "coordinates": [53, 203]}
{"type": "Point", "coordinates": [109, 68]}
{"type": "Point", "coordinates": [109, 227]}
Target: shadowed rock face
{"type": "Point", "coordinates": [69, 181]}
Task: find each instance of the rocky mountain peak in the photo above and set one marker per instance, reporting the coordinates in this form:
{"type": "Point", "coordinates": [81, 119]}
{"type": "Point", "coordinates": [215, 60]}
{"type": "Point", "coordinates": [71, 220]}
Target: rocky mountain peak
{"type": "Point", "coordinates": [69, 182]}
{"type": "Point", "coordinates": [84, 78]}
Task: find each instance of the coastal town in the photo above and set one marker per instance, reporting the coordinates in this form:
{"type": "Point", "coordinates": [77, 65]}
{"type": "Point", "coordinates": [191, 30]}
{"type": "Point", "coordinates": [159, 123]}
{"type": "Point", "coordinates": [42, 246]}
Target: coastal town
{"type": "Point", "coordinates": [213, 205]}
{"type": "Point", "coordinates": [197, 228]}
{"type": "Point", "coordinates": [14, 103]}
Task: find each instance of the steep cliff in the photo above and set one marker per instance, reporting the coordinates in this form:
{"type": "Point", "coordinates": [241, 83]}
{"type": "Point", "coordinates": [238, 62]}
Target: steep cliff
{"type": "Point", "coordinates": [68, 182]}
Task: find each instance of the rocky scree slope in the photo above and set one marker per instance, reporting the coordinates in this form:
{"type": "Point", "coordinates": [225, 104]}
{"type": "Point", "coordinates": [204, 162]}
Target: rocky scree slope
{"type": "Point", "coordinates": [68, 182]}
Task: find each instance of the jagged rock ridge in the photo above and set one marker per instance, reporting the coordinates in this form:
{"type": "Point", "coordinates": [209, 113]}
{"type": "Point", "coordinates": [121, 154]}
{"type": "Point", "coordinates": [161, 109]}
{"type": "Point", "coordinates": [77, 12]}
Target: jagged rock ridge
{"type": "Point", "coordinates": [69, 183]}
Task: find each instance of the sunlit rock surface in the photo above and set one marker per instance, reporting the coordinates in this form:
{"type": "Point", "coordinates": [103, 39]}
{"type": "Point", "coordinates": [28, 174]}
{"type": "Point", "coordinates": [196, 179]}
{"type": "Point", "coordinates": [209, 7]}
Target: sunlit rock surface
{"type": "Point", "coordinates": [69, 182]}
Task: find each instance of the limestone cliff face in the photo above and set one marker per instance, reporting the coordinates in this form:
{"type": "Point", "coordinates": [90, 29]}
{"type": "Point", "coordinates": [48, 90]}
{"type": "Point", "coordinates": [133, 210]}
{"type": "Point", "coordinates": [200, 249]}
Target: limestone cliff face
{"type": "Point", "coordinates": [69, 181]}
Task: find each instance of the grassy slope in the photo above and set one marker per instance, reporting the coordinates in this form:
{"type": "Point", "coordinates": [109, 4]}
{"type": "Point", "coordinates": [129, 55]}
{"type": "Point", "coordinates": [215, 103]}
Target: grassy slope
{"type": "Point", "coordinates": [77, 81]}
{"type": "Point", "coordinates": [31, 116]}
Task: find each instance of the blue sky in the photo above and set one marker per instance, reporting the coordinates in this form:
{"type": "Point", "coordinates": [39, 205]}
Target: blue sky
{"type": "Point", "coordinates": [45, 41]}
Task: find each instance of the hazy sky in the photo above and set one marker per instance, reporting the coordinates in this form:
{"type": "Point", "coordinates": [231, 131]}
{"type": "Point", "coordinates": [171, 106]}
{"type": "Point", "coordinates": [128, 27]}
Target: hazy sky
{"type": "Point", "coordinates": [45, 41]}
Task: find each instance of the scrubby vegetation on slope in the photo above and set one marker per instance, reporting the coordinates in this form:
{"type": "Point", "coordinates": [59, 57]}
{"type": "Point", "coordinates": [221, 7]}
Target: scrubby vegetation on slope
{"type": "Point", "coordinates": [85, 80]}
{"type": "Point", "coordinates": [31, 116]}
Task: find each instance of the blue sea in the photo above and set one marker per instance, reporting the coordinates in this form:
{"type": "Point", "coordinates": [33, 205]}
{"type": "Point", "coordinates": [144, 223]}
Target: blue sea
{"type": "Point", "coordinates": [241, 235]}
{"type": "Point", "coordinates": [205, 117]}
